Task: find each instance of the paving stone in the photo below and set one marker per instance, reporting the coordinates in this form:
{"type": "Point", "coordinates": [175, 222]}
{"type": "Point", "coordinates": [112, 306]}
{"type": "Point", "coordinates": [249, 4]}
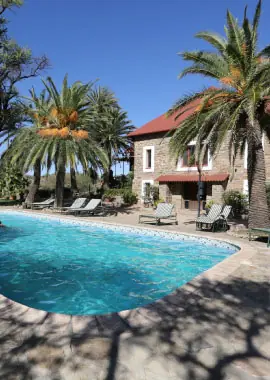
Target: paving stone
{"type": "Point", "coordinates": [234, 373]}
{"type": "Point", "coordinates": [94, 348]}
{"type": "Point", "coordinates": [254, 366]}
{"type": "Point", "coordinates": [79, 368]}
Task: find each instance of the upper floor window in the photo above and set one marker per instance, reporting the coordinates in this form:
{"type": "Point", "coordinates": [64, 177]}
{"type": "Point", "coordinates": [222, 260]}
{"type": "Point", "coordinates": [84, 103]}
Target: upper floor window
{"type": "Point", "coordinates": [188, 161]}
{"type": "Point", "coordinates": [148, 158]}
{"type": "Point", "coordinates": [188, 158]}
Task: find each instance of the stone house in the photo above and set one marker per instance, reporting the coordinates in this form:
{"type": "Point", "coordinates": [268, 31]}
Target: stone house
{"type": "Point", "coordinates": [178, 181]}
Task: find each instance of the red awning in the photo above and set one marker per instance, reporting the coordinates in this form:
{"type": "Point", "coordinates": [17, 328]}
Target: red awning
{"type": "Point", "coordinates": [220, 177]}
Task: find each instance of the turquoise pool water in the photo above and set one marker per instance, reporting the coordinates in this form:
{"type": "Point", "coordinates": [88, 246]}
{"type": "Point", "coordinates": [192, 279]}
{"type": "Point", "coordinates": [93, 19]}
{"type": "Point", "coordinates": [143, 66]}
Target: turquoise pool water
{"type": "Point", "coordinates": [77, 269]}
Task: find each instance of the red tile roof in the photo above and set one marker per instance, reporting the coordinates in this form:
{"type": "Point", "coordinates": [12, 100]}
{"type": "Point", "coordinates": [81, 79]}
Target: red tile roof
{"type": "Point", "coordinates": [220, 177]}
{"type": "Point", "coordinates": [164, 123]}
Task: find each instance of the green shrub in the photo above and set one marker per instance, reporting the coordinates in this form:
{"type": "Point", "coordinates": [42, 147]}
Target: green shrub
{"type": "Point", "coordinates": [128, 196]}
{"type": "Point", "coordinates": [237, 200]}
{"type": "Point", "coordinates": [12, 181]}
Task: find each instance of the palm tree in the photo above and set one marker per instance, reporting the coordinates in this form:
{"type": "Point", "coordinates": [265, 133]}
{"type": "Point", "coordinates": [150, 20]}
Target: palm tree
{"type": "Point", "coordinates": [113, 138]}
{"type": "Point", "coordinates": [236, 108]}
{"type": "Point", "coordinates": [61, 130]}
{"type": "Point", "coordinates": [112, 126]}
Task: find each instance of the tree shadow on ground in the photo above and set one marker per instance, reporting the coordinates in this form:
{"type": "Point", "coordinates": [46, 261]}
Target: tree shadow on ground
{"type": "Point", "coordinates": [127, 210]}
{"type": "Point", "coordinates": [202, 331]}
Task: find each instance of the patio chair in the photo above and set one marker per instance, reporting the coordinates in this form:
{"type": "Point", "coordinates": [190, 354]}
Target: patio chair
{"type": "Point", "coordinates": [92, 208]}
{"type": "Point", "coordinates": [218, 222]}
{"type": "Point", "coordinates": [163, 211]}
{"type": "Point", "coordinates": [78, 203]}
{"type": "Point", "coordinates": [45, 204]}
{"type": "Point", "coordinates": [221, 222]}
{"type": "Point", "coordinates": [209, 219]}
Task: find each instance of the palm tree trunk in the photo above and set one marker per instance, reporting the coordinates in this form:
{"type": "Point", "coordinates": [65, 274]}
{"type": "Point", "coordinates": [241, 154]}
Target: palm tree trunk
{"type": "Point", "coordinates": [35, 183]}
{"type": "Point", "coordinates": [60, 184]}
{"type": "Point", "coordinates": [73, 180]}
{"type": "Point", "coordinates": [258, 207]}
{"type": "Point", "coordinates": [107, 173]}
{"type": "Point", "coordinates": [106, 179]}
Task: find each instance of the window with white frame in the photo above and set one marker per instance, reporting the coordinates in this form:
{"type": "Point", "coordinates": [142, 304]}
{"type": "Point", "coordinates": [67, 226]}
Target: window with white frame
{"type": "Point", "coordinates": [146, 184]}
{"type": "Point", "coordinates": [187, 161]}
{"type": "Point", "coordinates": [148, 158]}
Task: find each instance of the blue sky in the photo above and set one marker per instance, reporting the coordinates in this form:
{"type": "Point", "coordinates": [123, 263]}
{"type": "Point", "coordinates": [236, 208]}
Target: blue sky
{"type": "Point", "coordinates": [131, 45]}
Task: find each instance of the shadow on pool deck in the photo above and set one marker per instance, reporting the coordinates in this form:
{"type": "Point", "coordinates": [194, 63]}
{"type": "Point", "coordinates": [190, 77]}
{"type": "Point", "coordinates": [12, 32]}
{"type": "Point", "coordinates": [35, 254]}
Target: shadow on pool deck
{"type": "Point", "coordinates": [220, 330]}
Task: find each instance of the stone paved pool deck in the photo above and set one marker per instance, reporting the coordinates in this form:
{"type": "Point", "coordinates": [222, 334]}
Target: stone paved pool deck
{"type": "Point", "coordinates": [215, 327]}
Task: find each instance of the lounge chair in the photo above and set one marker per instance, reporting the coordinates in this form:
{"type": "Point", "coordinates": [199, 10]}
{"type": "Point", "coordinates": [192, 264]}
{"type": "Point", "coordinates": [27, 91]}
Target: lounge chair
{"type": "Point", "coordinates": [78, 203]}
{"type": "Point", "coordinates": [45, 204]}
{"type": "Point", "coordinates": [93, 207]}
{"type": "Point", "coordinates": [209, 219]}
{"type": "Point", "coordinates": [222, 220]}
{"type": "Point", "coordinates": [215, 219]}
{"type": "Point", "coordinates": [163, 211]}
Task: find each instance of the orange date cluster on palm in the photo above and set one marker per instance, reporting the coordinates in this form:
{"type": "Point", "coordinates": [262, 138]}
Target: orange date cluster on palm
{"type": "Point", "coordinates": [60, 124]}
{"type": "Point", "coordinates": [55, 116]}
{"type": "Point", "coordinates": [63, 133]}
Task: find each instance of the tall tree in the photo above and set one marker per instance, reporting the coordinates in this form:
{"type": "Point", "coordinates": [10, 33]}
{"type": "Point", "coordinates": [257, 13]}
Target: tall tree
{"type": "Point", "coordinates": [65, 128]}
{"type": "Point", "coordinates": [237, 107]}
{"type": "Point", "coordinates": [113, 138]}
{"type": "Point", "coordinates": [111, 126]}
{"type": "Point", "coordinates": [16, 64]}
{"type": "Point", "coordinates": [61, 133]}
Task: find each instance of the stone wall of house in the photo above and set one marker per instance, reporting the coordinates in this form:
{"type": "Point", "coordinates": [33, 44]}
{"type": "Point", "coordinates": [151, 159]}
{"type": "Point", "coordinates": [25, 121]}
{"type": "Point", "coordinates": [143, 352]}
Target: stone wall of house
{"type": "Point", "coordinates": [162, 162]}
{"type": "Point", "coordinates": [165, 164]}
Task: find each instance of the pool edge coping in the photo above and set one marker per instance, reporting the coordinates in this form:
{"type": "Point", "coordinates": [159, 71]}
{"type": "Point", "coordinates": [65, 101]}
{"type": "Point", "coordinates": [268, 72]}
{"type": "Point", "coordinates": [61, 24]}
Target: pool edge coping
{"type": "Point", "coordinates": [219, 272]}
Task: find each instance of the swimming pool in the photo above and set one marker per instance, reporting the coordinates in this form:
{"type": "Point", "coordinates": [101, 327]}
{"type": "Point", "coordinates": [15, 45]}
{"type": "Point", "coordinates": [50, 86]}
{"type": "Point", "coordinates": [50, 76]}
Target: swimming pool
{"type": "Point", "coordinates": [89, 268]}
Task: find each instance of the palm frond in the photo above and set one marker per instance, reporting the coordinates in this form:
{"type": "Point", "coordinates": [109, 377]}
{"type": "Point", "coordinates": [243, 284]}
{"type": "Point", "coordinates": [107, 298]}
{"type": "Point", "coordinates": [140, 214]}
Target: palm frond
{"type": "Point", "coordinates": [214, 39]}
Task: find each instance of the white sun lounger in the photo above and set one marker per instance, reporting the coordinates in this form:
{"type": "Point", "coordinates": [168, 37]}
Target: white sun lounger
{"type": "Point", "coordinates": [93, 207]}
{"type": "Point", "coordinates": [78, 203]}
{"type": "Point", "coordinates": [45, 204]}
{"type": "Point", "coordinates": [163, 211]}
